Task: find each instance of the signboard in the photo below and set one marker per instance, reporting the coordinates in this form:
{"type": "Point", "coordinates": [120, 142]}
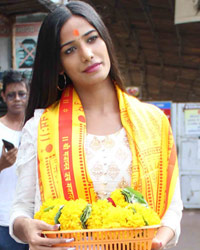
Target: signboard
{"type": "Point", "coordinates": [25, 44]}
{"type": "Point", "coordinates": [192, 121]}
{"type": "Point", "coordinates": [186, 11]}
{"type": "Point", "coordinates": [165, 107]}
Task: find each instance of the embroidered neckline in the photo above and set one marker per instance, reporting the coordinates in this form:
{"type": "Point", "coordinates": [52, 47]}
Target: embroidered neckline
{"type": "Point", "coordinates": [109, 135]}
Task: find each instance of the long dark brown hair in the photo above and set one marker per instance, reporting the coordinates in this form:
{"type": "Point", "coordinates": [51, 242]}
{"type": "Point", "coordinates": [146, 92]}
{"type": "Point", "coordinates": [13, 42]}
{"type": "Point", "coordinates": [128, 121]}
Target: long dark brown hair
{"type": "Point", "coordinates": [43, 89]}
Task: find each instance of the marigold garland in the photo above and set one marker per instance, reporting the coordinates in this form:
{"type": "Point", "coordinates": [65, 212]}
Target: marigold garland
{"type": "Point", "coordinates": [49, 209]}
{"type": "Point", "coordinates": [102, 213]}
{"type": "Point", "coordinates": [70, 215]}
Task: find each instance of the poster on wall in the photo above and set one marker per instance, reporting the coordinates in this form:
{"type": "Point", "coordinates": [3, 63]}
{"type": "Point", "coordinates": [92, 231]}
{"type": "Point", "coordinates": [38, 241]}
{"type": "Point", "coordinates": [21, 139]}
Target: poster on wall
{"type": "Point", "coordinates": [192, 121]}
{"type": "Point", "coordinates": [187, 11]}
{"type": "Point", "coordinates": [25, 44]}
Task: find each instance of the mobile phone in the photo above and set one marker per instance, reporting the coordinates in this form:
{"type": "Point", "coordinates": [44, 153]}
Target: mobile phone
{"type": "Point", "coordinates": [8, 145]}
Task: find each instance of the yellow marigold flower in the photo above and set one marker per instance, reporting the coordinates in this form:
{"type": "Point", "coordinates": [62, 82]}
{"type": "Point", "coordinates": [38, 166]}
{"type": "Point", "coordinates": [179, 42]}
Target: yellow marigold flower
{"type": "Point", "coordinates": [71, 213]}
{"type": "Point", "coordinates": [119, 217]}
{"type": "Point", "coordinates": [104, 215]}
{"type": "Point", "coordinates": [38, 215]}
{"type": "Point", "coordinates": [49, 216]}
{"type": "Point", "coordinates": [118, 198]}
{"type": "Point", "coordinates": [45, 212]}
{"type": "Point", "coordinates": [149, 215]}
{"type": "Point", "coordinates": [136, 220]}
{"type": "Point", "coordinates": [53, 202]}
{"type": "Point", "coordinates": [100, 210]}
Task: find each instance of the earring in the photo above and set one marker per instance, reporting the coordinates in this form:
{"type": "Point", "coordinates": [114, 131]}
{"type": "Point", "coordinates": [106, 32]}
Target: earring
{"type": "Point", "coordinates": [63, 81]}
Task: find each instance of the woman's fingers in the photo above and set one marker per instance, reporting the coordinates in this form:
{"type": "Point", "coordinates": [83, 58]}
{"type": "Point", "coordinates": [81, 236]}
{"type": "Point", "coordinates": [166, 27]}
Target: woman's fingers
{"type": "Point", "coordinates": [54, 241]}
{"type": "Point", "coordinates": [38, 240]}
{"type": "Point", "coordinates": [46, 227]}
{"type": "Point", "coordinates": [48, 244]}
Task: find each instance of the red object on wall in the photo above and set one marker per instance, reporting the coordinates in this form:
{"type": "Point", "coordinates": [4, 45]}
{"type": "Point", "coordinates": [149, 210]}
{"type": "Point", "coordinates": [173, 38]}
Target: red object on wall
{"type": "Point", "coordinates": [165, 107]}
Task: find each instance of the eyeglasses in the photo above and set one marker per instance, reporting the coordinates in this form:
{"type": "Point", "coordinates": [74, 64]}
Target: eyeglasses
{"type": "Point", "coordinates": [12, 95]}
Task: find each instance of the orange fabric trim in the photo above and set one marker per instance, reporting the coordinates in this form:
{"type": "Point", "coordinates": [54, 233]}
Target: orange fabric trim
{"type": "Point", "coordinates": [170, 174]}
{"type": "Point", "coordinates": [48, 165]}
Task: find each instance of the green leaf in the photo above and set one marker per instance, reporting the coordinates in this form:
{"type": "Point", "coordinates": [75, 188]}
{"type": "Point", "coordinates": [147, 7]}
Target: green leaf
{"type": "Point", "coordinates": [127, 195]}
{"type": "Point", "coordinates": [85, 215]}
{"type": "Point", "coordinates": [146, 223]}
{"type": "Point", "coordinates": [48, 208]}
{"type": "Point", "coordinates": [132, 196]}
{"type": "Point", "coordinates": [56, 218]}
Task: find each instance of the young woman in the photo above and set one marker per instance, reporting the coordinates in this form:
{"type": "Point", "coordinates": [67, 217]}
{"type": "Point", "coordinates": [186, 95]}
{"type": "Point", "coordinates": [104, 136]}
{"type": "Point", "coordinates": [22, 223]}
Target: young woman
{"type": "Point", "coordinates": [85, 136]}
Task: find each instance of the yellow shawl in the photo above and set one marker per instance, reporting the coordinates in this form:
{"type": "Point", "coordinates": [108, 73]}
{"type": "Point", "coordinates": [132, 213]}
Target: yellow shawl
{"type": "Point", "coordinates": [61, 157]}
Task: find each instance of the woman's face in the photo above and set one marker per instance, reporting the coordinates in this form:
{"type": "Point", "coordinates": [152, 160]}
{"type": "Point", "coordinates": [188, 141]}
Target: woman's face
{"type": "Point", "coordinates": [84, 55]}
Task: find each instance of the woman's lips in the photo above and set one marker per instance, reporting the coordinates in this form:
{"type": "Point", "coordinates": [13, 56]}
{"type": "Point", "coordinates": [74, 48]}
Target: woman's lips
{"type": "Point", "coordinates": [92, 68]}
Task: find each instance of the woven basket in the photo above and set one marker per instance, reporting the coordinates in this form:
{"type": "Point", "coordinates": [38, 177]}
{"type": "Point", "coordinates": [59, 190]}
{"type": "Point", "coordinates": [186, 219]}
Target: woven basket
{"type": "Point", "coordinates": [107, 239]}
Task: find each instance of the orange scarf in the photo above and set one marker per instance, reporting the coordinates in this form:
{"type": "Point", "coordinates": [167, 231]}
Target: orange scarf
{"type": "Point", "coordinates": [61, 156]}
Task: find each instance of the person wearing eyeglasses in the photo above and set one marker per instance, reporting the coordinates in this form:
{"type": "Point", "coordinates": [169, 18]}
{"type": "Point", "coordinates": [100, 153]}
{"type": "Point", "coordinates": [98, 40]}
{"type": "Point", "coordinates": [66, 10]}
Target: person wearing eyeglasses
{"type": "Point", "coordinates": [15, 95]}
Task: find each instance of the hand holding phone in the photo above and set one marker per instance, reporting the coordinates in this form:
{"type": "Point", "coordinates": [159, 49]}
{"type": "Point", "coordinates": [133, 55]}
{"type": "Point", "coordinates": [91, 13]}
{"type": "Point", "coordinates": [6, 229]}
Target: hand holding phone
{"type": "Point", "coordinates": [8, 145]}
{"type": "Point", "coordinates": [7, 158]}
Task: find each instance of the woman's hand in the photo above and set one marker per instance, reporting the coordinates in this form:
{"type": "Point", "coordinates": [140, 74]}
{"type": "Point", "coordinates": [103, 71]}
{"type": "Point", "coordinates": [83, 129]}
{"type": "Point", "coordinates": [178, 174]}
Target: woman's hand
{"type": "Point", "coordinates": [163, 236]}
{"type": "Point", "coordinates": [30, 231]}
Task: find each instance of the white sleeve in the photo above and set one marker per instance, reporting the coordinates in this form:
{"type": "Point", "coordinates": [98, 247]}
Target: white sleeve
{"type": "Point", "coordinates": [24, 201]}
{"type": "Point", "coordinates": [173, 215]}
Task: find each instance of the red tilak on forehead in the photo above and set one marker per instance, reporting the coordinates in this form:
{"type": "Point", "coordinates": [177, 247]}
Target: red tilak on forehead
{"type": "Point", "coordinates": [75, 32]}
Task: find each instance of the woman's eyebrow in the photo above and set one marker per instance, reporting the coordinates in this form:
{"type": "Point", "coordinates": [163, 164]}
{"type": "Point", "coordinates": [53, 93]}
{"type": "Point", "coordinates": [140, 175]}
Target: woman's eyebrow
{"type": "Point", "coordinates": [86, 34]}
